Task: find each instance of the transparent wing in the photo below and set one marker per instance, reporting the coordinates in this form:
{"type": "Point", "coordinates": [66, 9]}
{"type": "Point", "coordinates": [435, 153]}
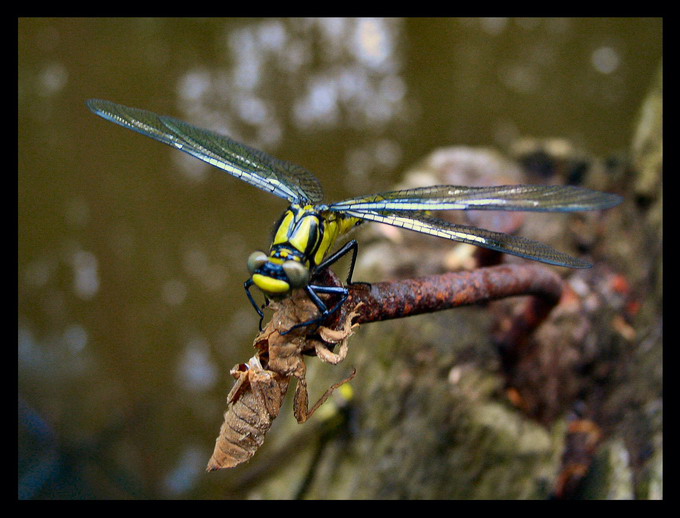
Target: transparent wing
{"type": "Point", "coordinates": [555, 198]}
{"type": "Point", "coordinates": [251, 165]}
{"type": "Point", "coordinates": [506, 243]}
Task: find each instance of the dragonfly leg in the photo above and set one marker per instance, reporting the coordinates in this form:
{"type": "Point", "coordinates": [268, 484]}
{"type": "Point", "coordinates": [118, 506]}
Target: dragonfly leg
{"type": "Point", "coordinates": [313, 291]}
{"type": "Point", "coordinates": [350, 246]}
{"type": "Point", "coordinates": [246, 286]}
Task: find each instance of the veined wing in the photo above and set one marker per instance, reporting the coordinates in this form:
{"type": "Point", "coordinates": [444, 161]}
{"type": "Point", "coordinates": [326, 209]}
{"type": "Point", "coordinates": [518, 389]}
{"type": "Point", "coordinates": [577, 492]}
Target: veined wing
{"type": "Point", "coordinates": [251, 165]}
{"type": "Point", "coordinates": [509, 244]}
{"type": "Point", "coordinates": [555, 198]}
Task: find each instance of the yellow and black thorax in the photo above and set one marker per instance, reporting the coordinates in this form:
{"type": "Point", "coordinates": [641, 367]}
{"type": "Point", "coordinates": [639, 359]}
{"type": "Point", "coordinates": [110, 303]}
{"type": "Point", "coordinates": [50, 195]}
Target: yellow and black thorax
{"type": "Point", "coordinates": [302, 239]}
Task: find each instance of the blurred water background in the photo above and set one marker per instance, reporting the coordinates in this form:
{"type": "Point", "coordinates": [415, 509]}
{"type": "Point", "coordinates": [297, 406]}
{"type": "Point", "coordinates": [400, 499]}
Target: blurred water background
{"type": "Point", "coordinates": [131, 256]}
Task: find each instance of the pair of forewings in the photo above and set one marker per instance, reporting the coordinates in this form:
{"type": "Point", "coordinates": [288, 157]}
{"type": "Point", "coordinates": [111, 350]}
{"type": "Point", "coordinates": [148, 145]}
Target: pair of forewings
{"type": "Point", "coordinates": [409, 208]}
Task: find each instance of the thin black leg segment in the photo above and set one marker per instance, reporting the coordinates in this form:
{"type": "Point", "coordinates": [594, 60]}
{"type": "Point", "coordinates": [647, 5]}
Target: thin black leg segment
{"type": "Point", "coordinates": [352, 246]}
{"type": "Point", "coordinates": [313, 290]}
{"type": "Point", "coordinates": [246, 286]}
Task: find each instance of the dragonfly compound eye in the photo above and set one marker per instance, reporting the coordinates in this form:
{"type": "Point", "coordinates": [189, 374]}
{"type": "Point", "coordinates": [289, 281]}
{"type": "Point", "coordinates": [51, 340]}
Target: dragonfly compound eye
{"type": "Point", "coordinates": [297, 273]}
{"type": "Point", "coordinates": [256, 260]}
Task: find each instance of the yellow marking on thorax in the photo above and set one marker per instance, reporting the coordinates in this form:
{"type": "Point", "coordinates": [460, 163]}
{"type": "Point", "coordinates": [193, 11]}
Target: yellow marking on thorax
{"type": "Point", "coordinates": [300, 239]}
{"type": "Point", "coordinates": [334, 226]}
{"type": "Point", "coordinates": [297, 229]}
{"type": "Point", "coordinates": [282, 231]}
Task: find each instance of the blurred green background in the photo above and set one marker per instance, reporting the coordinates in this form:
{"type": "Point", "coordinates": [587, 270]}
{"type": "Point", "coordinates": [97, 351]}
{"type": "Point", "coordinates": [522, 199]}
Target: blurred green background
{"type": "Point", "coordinates": [132, 255]}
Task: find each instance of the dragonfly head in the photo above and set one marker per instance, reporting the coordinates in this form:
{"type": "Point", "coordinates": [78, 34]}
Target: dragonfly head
{"type": "Point", "coordinates": [276, 276]}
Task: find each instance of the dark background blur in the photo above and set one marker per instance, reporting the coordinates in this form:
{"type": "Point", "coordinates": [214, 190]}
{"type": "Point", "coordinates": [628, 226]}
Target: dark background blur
{"type": "Point", "coordinates": [132, 255]}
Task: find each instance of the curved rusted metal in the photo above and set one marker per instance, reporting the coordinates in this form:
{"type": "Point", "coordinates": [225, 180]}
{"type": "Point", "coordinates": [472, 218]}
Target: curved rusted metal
{"type": "Point", "coordinates": [402, 298]}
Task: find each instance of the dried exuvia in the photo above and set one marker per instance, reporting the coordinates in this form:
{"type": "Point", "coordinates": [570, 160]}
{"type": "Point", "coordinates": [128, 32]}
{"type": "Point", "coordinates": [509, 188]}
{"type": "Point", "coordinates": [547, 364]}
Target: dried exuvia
{"type": "Point", "coordinates": [252, 405]}
{"type": "Point", "coordinates": [261, 385]}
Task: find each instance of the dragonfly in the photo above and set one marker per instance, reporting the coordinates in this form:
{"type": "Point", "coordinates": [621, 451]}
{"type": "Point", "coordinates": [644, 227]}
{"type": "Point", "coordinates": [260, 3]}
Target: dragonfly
{"type": "Point", "coordinates": [306, 233]}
